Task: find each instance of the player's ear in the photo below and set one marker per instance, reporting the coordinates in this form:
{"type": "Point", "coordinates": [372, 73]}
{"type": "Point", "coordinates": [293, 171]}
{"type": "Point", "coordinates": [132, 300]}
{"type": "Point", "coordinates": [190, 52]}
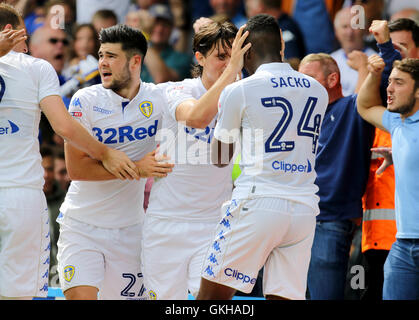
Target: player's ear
{"type": "Point", "coordinates": [199, 57]}
{"type": "Point", "coordinates": [8, 27]}
{"type": "Point", "coordinates": [136, 60]}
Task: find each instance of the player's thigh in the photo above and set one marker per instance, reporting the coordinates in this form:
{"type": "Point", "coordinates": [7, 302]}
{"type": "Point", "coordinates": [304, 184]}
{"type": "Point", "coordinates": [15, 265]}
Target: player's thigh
{"type": "Point", "coordinates": [167, 250]}
{"type": "Point", "coordinates": [285, 272]}
{"type": "Point", "coordinates": [123, 272]}
{"type": "Point", "coordinates": [80, 259]}
{"type": "Point", "coordinates": [245, 236]}
{"type": "Point", "coordinates": [24, 243]}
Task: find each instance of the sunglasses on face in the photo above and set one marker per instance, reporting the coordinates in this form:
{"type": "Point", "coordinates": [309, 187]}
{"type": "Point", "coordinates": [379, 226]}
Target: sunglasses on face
{"type": "Point", "coordinates": [55, 41]}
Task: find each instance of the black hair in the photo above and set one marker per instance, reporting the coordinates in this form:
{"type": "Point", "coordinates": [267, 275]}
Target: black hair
{"type": "Point", "coordinates": [405, 24]}
{"type": "Point", "coordinates": [46, 151]}
{"type": "Point", "coordinates": [132, 40]}
{"type": "Point", "coordinates": [265, 36]}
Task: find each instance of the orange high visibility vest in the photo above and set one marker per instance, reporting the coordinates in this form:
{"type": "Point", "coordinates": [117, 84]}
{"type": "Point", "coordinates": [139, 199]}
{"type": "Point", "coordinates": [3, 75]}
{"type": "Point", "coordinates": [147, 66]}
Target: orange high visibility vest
{"type": "Point", "coordinates": [378, 222]}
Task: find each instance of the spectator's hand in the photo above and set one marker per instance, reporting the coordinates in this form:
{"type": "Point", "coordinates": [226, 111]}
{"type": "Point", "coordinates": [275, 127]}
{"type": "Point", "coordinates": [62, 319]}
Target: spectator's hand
{"type": "Point", "coordinates": [238, 51]}
{"type": "Point", "coordinates": [357, 60]}
{"type": "Point", "coordinates": [153, 165]}
{"type": "Point", "coordinates": [380, 31]}
{"type": "Point", "coordinates": [386, 152]}
{"type": "Point", "coordinates": [10, 38]}
{"type": "Point", "coordinates": [118, 163]}
{"type": "Point", "coordinates": [198, 24]}
{"type": "Point", "coordinates": [376, 64]}
{"type": "Point", "coordinates": [401, 48]}
{"type": "Point", "coordinates": [146, 23]}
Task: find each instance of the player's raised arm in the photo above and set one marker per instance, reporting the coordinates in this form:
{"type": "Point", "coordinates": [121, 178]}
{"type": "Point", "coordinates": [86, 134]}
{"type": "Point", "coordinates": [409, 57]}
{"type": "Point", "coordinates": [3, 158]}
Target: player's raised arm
{"type": "Point", "coordinates": [369, 101]}
{"type": "Point", "coordinates": [199, 113]}
{"type": "Point", "coordinates": [115, 161]}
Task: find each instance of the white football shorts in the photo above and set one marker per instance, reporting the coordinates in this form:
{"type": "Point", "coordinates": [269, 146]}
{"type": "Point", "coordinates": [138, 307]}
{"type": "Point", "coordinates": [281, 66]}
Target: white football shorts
{"type": "Point", "coordinates": [173, 254]}
{"type": "Point", "coordinates": [108, 259]}
{"type": "Point", "coordinates": [24, 243]}
{"type": "Point", "coordinates": [270, 232]}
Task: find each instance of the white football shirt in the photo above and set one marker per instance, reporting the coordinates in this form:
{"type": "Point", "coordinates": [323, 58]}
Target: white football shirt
{"type": "Point", "coordinates": [24, 82]}
{"type": "Point", "coordinates": [277, 114]}
{"type": "Point", "coordinates": [130, 126]}
{"type": "Point", "coordinates": [195, 189]}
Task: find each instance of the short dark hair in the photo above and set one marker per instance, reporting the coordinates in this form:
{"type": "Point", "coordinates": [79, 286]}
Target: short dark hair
{"type": "Point", "coordinates": [214, 33]}
{"type": "Point", "coordinates": [46, 151]}
{"type": "Point", "coordinates": [132, 40]}
{"type": "Point", "coordinates": [9, 15]}
{"type": "Point", "coordinates": [405, 24]}
{"type": "Point", "coordinates": [264, 35]}
{"type": "Point", "coordinates": [410, 66]}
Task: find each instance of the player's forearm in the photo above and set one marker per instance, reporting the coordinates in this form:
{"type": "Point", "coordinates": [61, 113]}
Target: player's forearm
{"type": "Point", "coordinates": [84, 168]}
{"type": "Point", "coordinates": [206, 108]}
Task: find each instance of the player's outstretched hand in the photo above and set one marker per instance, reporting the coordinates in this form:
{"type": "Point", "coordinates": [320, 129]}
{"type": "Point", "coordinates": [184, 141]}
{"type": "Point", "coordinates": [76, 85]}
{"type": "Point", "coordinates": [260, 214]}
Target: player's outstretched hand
{"type": "Point", "coordinates": [9, 38]}
{"type": "Point", "coordinates": [153, 165]}
{"type": "Point", "coordinates": [387, 155]}
{"type": "Point", "coordinates": [118, 163]}
{"type": "Point", "coordinates": [238, 51]}
{"type": "Point", "coordinates": [376, 64]}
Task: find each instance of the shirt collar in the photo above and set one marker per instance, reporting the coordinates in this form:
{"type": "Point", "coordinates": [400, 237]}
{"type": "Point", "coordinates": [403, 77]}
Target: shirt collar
{"type": "Point", "coordinates": [277, 66]}
{"type": "Point", "coordinates": [414, 117]}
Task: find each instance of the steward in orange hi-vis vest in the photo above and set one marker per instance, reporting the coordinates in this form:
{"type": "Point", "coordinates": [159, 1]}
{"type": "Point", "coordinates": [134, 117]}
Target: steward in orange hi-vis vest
{"type": "Point", "coordinates": [379, 224]}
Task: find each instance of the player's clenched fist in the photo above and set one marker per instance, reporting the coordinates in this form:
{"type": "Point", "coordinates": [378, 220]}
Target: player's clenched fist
{"type": "Point", "coordinates": [376, 64]}
{"type": "Point", "coordinates": [380, 31]}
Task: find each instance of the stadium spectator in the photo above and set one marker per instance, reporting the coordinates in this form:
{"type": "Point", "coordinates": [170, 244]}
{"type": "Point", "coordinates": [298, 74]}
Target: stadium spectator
{"type": "Point", "coordinates": [294, 41]}
{"type": "Point", "coordinates": [231, 8]}
{"type": "Point", "coordinates": [162, 62]}
{"type": "Point", "coordinates": [352, 57]}
{"type": "Point", "coordinates": [400, 118]}
{"type": "Point", "coordinates": [104, 18]}
{"type": "Point", "coordinates": [345, 139]}
{"type": "Point", "coordinates": [87, 8]}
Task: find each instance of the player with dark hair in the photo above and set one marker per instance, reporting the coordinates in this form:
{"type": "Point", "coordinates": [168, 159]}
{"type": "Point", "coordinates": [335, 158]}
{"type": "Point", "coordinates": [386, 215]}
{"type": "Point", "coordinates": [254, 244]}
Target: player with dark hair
{"type": "Point", "coordinates": [269, 222]}
{"type": "Point", "coordinates": [101, 218]}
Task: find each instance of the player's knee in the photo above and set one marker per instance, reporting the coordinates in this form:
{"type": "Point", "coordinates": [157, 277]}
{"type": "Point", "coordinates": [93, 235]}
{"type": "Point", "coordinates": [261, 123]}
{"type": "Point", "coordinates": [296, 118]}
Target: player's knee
{"type": "Point", "coordinates": [214, 291]}
{"type": "Point", "coordinates": [81, 293]}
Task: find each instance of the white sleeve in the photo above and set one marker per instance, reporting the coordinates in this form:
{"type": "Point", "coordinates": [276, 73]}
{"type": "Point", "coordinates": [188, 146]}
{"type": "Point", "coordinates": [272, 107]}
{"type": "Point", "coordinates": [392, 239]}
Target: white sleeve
{"type": "Point", "coordinates": [176, 93]}
{"type": "Point", "coordinates": [48, 81]}
{"type": "Point", "coordinates": [79, 109]}
{"type": "Point", "coordinates": [230, 109]}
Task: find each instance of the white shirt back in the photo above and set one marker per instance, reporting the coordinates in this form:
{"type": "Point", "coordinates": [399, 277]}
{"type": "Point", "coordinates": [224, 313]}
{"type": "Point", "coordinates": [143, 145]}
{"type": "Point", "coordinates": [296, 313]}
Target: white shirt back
{"type": "Point", "coordinates": [24, 82]}
{"type": "Point", "coordinates": [277, 114]}
{"type": "Point", "coordinates": [130, 126]}
{"type": "Point", "coordinates": [195, 189]}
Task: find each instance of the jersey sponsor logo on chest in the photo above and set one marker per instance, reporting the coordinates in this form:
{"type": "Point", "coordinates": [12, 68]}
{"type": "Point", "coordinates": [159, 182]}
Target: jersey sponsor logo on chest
{"type": "Point", "coordinates": [9, 129]}
{"type": "Point", "coordinates": [125, 133]}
